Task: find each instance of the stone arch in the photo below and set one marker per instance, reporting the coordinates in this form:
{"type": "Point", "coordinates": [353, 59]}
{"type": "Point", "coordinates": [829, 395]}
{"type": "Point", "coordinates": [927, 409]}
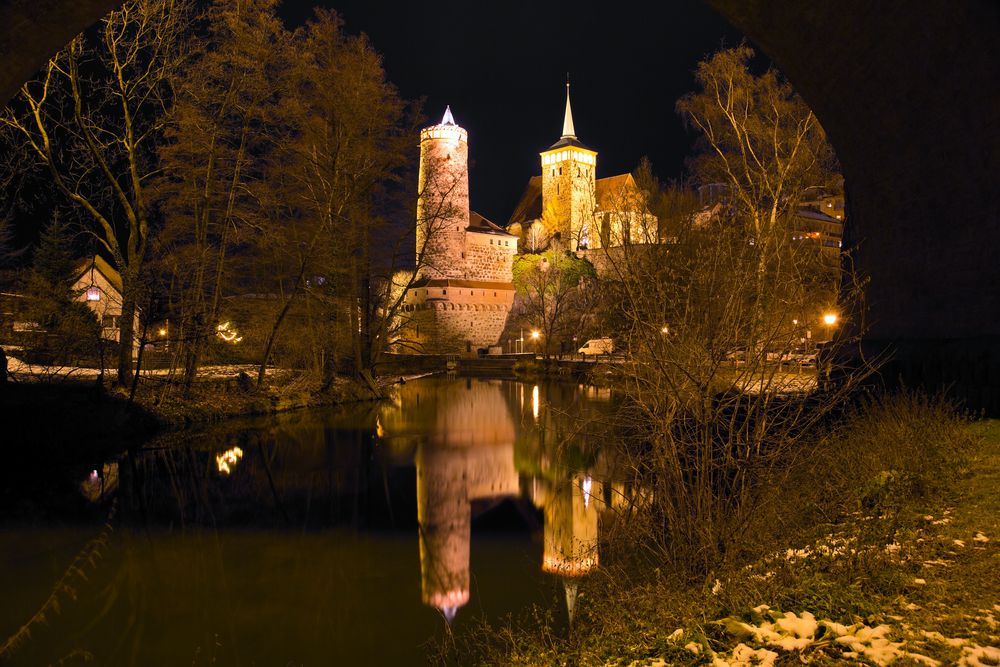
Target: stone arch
{"type": "Point", "coordinates": [919, 163]}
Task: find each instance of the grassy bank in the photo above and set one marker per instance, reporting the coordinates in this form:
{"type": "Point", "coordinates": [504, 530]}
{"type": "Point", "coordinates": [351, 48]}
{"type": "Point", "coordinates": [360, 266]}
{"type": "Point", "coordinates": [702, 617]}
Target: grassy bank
{"type": "Point", "coordinates": [883, 551]}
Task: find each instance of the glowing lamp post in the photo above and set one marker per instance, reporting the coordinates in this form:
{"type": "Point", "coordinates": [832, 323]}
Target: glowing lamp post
{"type": "Point", "coordinates": [830, 321]}
{"type": "Point", "coordinates": [535, 335]}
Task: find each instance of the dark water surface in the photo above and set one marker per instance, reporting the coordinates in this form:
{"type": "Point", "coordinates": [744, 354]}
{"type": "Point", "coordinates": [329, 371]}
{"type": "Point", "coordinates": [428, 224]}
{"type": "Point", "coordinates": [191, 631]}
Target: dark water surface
{"type": "Point", "coordinates": [319, 538]}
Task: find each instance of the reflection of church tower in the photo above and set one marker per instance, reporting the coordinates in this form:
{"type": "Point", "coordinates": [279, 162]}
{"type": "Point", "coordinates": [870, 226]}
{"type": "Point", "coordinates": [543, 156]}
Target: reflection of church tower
{"type": "Point", "coordinates": [568, 186]}
{"type": "Point", "coordinates": [571, 509]}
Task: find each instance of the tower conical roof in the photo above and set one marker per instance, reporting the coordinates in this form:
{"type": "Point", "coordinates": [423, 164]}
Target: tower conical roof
{"type": "Point", "coordinates": [448, 119]}
{"type": "Point", "coordinates": [568, 131]}
{"type": "Point", "coordinates": [568, 137]}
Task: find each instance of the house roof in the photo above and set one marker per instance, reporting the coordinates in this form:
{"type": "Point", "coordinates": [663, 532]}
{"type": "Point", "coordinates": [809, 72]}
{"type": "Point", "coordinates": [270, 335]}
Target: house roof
{"type": "Point", "coordinates": [813, 214]}
{"type": "Point", "coordinates": [98, 264]}
{"type": "Point", "coordinates": [478, 224]}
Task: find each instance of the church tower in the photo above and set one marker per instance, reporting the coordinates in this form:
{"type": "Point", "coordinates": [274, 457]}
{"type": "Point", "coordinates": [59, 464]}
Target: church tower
{"type": "Point", "coordinates": [442, 199]}
{"type": "Point", "coordinates": [568, 187]}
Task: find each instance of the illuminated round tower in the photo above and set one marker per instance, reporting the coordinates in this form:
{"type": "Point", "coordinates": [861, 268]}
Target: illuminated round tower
{"type": "Point", "coordinates": [443, 199]}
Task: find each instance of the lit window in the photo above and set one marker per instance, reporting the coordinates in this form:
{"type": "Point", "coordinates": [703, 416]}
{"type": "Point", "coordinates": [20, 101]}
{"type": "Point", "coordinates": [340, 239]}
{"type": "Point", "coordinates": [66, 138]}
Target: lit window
{"type": "Point", "coordinates": [94, 294]}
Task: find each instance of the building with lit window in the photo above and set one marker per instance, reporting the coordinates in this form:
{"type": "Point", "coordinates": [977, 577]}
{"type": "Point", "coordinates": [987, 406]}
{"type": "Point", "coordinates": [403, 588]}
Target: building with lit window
{"type": "Point", "coordinates": [99, 285]}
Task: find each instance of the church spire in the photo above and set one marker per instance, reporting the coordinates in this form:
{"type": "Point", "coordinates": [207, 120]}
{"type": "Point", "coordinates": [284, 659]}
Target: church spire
{"type": "Point", "coordinates": [568, 131]}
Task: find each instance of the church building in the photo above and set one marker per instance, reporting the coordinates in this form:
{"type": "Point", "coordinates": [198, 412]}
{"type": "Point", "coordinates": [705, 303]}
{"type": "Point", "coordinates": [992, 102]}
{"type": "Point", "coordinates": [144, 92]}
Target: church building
{"type": "Point", "coordinates": [569, 203]}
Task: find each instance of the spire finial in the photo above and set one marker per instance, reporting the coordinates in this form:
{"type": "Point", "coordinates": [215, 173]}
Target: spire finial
{"type": "Point", "coordinates": [568, 130]}
{"type": "Point", "coordinates": [448, 118]}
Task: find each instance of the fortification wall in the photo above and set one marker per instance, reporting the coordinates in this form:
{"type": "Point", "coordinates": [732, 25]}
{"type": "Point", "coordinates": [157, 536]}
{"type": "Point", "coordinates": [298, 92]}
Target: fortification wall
{"type": "Point", "coordinates": [444, 327]}
{"type": "Point", "coordinates": [488, 257]}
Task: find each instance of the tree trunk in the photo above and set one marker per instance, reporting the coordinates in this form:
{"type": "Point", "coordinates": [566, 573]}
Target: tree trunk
{"type": "Point", "coordinates": [126, 334]}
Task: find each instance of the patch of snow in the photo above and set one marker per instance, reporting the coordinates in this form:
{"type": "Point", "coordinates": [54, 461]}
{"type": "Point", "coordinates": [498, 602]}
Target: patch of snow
{"type": "Point", "coordinates": [980, 537]}
{"type": "Point", "coordinates": [676, 634]}
{"type": "Point", "coordinates": [979, 656]}
{"type": "Point", "coordinates": [959, 543]}
{"type": "Point", "coordinates": [693, 647]}
{"type": "Point", "coordinates": [954, 642]}
{"type": "Point", "coordinates": [745, 656]}
{"type": "Point", "coordinates": [919, 582]}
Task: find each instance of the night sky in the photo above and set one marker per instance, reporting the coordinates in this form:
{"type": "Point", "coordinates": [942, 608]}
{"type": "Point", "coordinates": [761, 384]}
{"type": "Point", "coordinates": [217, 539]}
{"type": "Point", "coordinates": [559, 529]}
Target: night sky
{"type": "Point", "coordinates": [502, 68]}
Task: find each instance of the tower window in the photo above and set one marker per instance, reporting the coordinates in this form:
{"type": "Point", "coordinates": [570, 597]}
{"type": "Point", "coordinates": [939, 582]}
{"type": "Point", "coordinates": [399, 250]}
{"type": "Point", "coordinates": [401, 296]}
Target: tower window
{"type": "Point", "coordinates": [560, 171]}
{"type": "Point", "coordinates": [444, 291]}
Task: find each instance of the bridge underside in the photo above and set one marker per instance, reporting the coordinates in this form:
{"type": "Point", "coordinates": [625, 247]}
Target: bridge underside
{"type": "Point", "coordinates": [908, 96]}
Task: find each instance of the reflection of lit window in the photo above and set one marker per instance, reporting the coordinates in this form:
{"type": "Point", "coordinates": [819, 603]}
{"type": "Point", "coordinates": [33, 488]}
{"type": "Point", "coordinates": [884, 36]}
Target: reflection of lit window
{"type": "Point", "coordinates": [227, 459]}
{"type": "Point", "coordinates": [94, 294]}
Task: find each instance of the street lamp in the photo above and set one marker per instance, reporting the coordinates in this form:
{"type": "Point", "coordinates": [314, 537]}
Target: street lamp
{"type": "Point", "coordinates": [534, 336]}
{"type": "Point", "coordinates": [830, 319]}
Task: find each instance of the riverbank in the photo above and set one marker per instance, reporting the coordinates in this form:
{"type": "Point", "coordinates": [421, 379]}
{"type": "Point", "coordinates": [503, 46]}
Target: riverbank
{"type": "Point", "coordinates": [903, 574]}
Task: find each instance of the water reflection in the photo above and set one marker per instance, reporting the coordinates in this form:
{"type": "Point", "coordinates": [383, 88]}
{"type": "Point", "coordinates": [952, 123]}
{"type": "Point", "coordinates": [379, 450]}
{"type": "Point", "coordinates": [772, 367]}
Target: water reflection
{"type": "Point", "coordinates": [468, 447]}
{"type": "Point", "coordinates": [465, 496]}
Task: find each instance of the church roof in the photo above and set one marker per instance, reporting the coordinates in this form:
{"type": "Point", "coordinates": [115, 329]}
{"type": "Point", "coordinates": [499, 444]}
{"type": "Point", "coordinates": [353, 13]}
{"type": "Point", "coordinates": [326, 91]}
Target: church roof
{"type": "Point", "coordinates": [569, 141]}
{"type": "Point", "coordinates": [529, 207]}
{"type": "Point", "coordinates": [478, 224]}
{"type": "Point", "coordinates": [608, 193]}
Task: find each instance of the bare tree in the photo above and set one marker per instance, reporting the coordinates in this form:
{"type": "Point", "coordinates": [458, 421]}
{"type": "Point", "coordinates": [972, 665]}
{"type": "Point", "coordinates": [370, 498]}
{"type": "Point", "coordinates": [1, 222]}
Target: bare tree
{"type": "Point", "coordinates": [92, 120]}
{"type": "Point", "coordinates": [350, 138]}
{"type": "Point", "coordinates": [222, 132]}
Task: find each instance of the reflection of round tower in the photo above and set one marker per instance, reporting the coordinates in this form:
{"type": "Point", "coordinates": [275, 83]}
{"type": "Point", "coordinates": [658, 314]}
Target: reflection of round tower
{"type": "Point", "coordinates": [443, 199]}
{"type": "Point", "coordinates": [445, 516]}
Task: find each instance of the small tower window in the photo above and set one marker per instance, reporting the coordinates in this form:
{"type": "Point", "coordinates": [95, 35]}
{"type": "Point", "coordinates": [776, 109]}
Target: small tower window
{"type": "Point", "coordinates": [560, 171]}
{"type": "Point", "coordinates": [94, 294]}
{"type": "Point", "coordinates": [444, 291]}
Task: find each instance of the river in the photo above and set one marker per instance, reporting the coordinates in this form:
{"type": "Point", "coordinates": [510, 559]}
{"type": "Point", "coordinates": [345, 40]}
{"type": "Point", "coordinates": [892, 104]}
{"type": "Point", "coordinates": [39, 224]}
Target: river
{"type": "Point", "coordinates": [356, 535]}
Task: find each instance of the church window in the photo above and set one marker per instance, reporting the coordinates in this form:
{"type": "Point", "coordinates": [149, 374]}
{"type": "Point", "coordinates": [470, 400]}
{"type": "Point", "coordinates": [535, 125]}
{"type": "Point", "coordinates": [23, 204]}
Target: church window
{"type": "Point", "coordinates": [444, 291]}
{"type": "Point", "coordinates": [560, 171]}
{"type": "Point", "coordinates": [94, 294]}
{"type": "Point", "coordinates": [494, 293]}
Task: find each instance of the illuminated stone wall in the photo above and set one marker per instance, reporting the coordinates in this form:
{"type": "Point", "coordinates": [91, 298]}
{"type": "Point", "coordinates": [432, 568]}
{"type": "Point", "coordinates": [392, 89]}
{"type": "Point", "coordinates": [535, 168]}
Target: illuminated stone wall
{"type": "Point", "coordinates": [447, 327]}
{"type": "Point", "coordinates": [443, 200]}
{"type": "Point", "coordinates": [487, 258]}
{"type": "Point", "coordinates": [568, 187]}
{"type": "Point", "coordinates": [463, 294]}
